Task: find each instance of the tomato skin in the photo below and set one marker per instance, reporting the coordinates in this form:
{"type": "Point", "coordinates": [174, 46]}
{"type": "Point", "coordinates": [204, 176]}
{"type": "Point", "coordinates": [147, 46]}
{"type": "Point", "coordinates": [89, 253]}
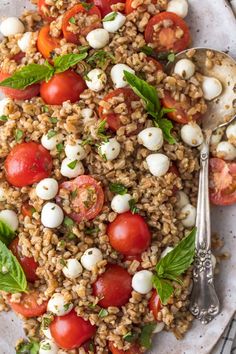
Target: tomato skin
{"type": "Point", "coordinates": [27, 163]}
{"type": "Point", "coordinates": [155, 304]}
{"type": "Point", "coordinates": [66, 86]}
{"type": "Point", "coordinates": [105, 5]}
{"type": "Point", "coordinates": [129, 234]}
{"type": "Point", "coordinates": [18, 57]}
{"type": "Point", "coordinates": [71, 331]}
{"type": "Point", "coordinates": [42, 4]}
{"type": "Point", "coordinates": [26, 94]}
{"type": "Point", "coordinates": [28, 306]}
{"type": "Point", "coordinates": [27, 210]}
{"type": "Point", "coordinates": [113, 286]}
{"type": "Point", "coordinates": [46, 43]}
{"type": "Point", "coordinates": [135, 349]}
{"type": "Point", "coordinates": [157, 64]}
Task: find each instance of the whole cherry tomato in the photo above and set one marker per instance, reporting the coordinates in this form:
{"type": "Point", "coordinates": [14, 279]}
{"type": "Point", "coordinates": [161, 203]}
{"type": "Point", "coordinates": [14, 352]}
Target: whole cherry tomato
{"type": "Point", "coordinates": [26, 94]}
{"type": "Point", "coordinates": [46, 43]}
{"type": "Point", "coordinates": [155, 304]}
{"type": "Point", "coordinates": [28, 306]}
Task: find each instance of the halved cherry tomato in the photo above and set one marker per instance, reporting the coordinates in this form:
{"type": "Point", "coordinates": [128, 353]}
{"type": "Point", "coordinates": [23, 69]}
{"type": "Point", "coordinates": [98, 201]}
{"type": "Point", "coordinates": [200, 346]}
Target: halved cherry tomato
{"type": "Point", "coordinates": [135, 349]}
{"type": "Point", "coordinates": [46, 43]}
{"type": "Point", "coordinates": [222, 182]}
{"type": "Point", "coordinates": [112, 118]}
{"type": "Point", "coordinates": [129, 8]}
{"type": "Point", "coordinates": [113, 287]}
{"type": "Point", "coordinates": [28, 264]}
{"type": "Point", "coordinates": [105, 5]}
{"type": "Point", "coordinates": [165, 38]}
{"type": "Point", "coordinates": [27, 210]}
{"type": "Point", "coordinates": [157, 64]}
{"type": "Point", "coordinates": [44, 11]}
{"type": "Point", "coordinates": [66, 86]}
{"type": "Point", "coordinates": [71, 331]}
{"type": "Point", "coordinates": [155, 304]}
{"type": "Point", "coordinates": [18, 57]}
{"type": "Point", "coordinates": [28, 306]}
{"type": "Point", "coordinates": [129, 234]}
{"type": "Point", "coordinates": [27, 163]}
{"type": "Point", "coordinates": [79, 8]}
{"type": "Point", "coordinates": [87, 197]}
{"type": "Point", "coordinates": [26, 94]}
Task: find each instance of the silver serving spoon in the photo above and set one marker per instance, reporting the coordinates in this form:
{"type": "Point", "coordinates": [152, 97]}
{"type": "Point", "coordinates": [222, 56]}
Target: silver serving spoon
{"type": "Point", "coordinates": [204, 303]}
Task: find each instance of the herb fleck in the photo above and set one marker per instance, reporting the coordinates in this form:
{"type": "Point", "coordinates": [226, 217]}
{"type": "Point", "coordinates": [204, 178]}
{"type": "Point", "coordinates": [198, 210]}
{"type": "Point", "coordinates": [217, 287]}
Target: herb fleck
{"type": "Point", "coordinates": [51, 134]}
{"type": "Point", "coordinates": [91, 230]}
{"type": "Point", "coordinates": [72, 20]}
{"type": "Point", "coordinates": [53, 120]}
{"type": "Point", "coordinates": [18, 134]}
{"type": "Point", "coordinates": [3, 118]}
{"type": "Point", "coordinates": [118, 188]}
{"type": "Point", "coordinates": [110, 17]}
{"type": "Point", "coordinates": [72, 164]}
{"type": "Point", "coordinates": [101, 132]}
{"type": "Point", "coordinates": [103, 313]}
{"type": "Point", "coordinates": [86, 6]}
{"type": "Point", "coordinates": [60, 148]}
{"type": "Point", "coordinates": [133, 207]}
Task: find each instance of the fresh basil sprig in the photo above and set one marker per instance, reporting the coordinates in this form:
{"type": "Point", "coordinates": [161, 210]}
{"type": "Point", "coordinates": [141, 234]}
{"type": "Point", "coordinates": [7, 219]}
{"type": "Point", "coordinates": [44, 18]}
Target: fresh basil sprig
{"type": "Point", "coordinates": [118, 188]}
{"type": "Point", "coordinates": [6, 233]}
{"type": "Point", "coordinates": [145, 338]}
{"type": "Point", "coordinates": [30, 347]}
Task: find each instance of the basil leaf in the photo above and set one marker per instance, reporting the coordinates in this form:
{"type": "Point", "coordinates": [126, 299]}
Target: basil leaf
{"type": "Point", "coordinates": [53, 120]}
{"type": "Point", "coordinates": [164, 288]}
{"type": "Point", "coordinates": [3, 118]}
{"type": "Point", "coordinates": [18, 134]}
{"type": "Point", "coordinates": [166, 125]}
{"type": "Point", "coordinates": [171, 57]}
{"type": "Point", "coordinates": [60, 148]}
{"type": "Point", "coordinates": [86, 6]}
{"type": "Point", "coordinates": [99, 58]}
{"type": "Point", "coordinates": [31, 347]}
{"type": "Point", "coordinates": [83, 48]}
{"type": "Point", "coordinates": [129, 337]}
{"type": "Point", "coordinates": [103, 313]}
{"type": "Point", "coordinates": [91, 230]}
{"type": "Point", "coordinates": [51, 134]}
{"type": "Point", "coordinates": [110, 17]}
{"type": "Point", "coordinates": [6, 233]}
{"type": "Point", "coordinates": [118, 188]}
{"type": "Point", "coordinates": [133, 207]}
{"type": "Point", "coordinates": [72, 164]}
{"type": "Point", "coordinates": [145, 339]}
{"type": "Point", "coordinates": [12, 279]}
{"type": "Point", "coordinates": [72, 20]}
{"type": "Point", "coordinates": [68, 222]}
{"type": "Point", "coordinates": [64, 62]}
{"type": "Point", "coordinates": [101, 132]}
{"type": "Point", "coordinates": [147, 50]}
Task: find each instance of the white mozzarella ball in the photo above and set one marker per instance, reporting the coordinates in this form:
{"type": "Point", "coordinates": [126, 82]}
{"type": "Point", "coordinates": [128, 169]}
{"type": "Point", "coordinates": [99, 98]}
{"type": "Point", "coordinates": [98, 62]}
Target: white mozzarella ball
{"type": "Point", "coordinates": [159, 327]}
{"type": "Point", "coordinates": [3, 104]}
{"type": "Point", "coordinates": [10, 218]}
{"type": "Point", "coordinates": [50, 143]}
{"type": "Point", "coordinates": [72, 269]}
{"type": "Point", "coordinates": [182, 199]}
{"type": "Point", "coordinates": [11, 26]}
{"type": "Point", "coordinates": [191, 134]}
{"type": "Point", "coordinates": [115, 24]}
{"type": "Point", "coordinates": [179, 7]}
{"type": "Point", "coordinates": [58, 305]}
{"type": "Point", "coordinates": [98, 38]}
{"type": "Point", "coordinates": [52, 215]}
{"type": "Point", "coordinates": [90, 258]}
{"type": "Point", "coordinates": [151, 138]}
{"type": "Point", "coordinates": [47, 188]}
{"type": "Point", "coordinates": [24, 42]}
{"type": "Point", "coordinates": [211, 88]}
{"type": "Point", "coordinates": [48, 346]}
{"type": "Point", "coordinates": [231, 132]}
{"type": "Point", "coordinates": [217, 136]}
{"type": "Point", "coordinates": [110, 149]}
{"type": "Point", "coordinates": [87, 113]}
{"type": "Point", "coordinates": [213, 261]}
{"type": "Point", "coordinates": [47, 333]}
{"type": "Point", "coordinates": [76, 151]}
{"type": "Point", "coordinates": [2, 194]}
{"type": "Point", "coordinates": [185, 68]}
{"type": "Point", "coordinates": [96, 80]}
{"type": "Point", "coordinates": [142, 281]}
{"type": "Point", "coordinates": [120, 203]}
{"type": "Point", "coordinates": [117, 75]}
{"type": "Point", "coordinates": [158, 164]}
{"type": "Point", "coordinates": [166, 251]}
{"type": "Point", "coordinates": [71, 168]}
{"type": "Point", "coordinates": [225, 150]}
{"type": "Point", "coordinates": [190, 218]}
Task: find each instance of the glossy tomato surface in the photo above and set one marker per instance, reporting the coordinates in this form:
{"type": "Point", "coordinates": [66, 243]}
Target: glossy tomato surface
{"type": "Point", "coordinates": [113, 287]}
{"type": "Point", "coordinates": [44, 11]}
{"type": "Point", "coordinates": [27, 210]}
{"type": "Point", "coordinates": [26, 94]}
{"type": "Point", "coordinates": [28, 306]}
{"type": "Point", "coordinates": [155, 304]}
{"type": "Point", "coordinates": [105, 5]}
{"type": "Point", "coordinates": [71, 331]}
{"type": "Point", "coordinates": [18, 57]}
{"type": "Point", "coordinates": [129, 234]}
{"type": "Point", "coordinates": [135, 349]}
{"type": "Point", "coordinates": [46, 43]}
{"type": "Point", "coordinates": [27, 163]}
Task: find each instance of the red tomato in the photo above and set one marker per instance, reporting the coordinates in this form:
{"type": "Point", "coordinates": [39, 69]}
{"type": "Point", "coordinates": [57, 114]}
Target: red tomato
{"type": "Point", "coordinates": [129, 234]}
{"type": "Point", "coordinates": [165, 38]}
{"type": "Point", "coordinates": [88, 200]}
{"type": "Point", "coordinates": [18, 57]}
{"type": "Point", "coordinates": [113, 287]}
{"type": "Point", "coordinates": [222, 182]}
{"type": "Point", "coordinates": [66, 86]}
{"type": "Point", "coordinates": [46, 43]}
{"type": "Point", "coordinates": [155, 62]}
{"type": "Point", "coordinates": [27, 210]}
{"type": "Point", "coordinates": [44, 11]}
{"type": "Point", "coordinates": [28, 264]}
{"type": "Point", "coordinates": [28, 306]}
{"type": "Point", "coordinates": [71, 331]}
{"type": "Point", "coordinates": [135, 349]}
{"type": "Point", "coordinates": [155, 304]}
{"type": "Point", "coordinates": [27, 163]}
{"type": "Point", "coordinates": [105, 5]}
{"type": "Point", "coordinates": [26, 94]}
{"type": "Point", "coordinates": [75, 37]}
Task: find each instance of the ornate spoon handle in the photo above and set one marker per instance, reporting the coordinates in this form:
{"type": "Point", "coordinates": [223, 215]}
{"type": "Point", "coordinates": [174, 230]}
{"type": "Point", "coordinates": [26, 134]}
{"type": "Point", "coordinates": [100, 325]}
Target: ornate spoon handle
{"type": "Point", "coordinates": [204, 303]}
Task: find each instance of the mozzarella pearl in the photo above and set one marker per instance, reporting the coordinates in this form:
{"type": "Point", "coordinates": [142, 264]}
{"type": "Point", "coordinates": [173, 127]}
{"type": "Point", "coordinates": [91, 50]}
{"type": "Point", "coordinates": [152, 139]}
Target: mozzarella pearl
{"type": "Point", "coordinates": [47, 333]}
{"type": "Point", "coordinates": [58, 305]}
{"type": "Point", "coordinates": [117, 75]}
{"type": "Point", "coordinates": [69, 172]}
{"type": "Point", "coordinates": [72, 269]}
{"type": "Point", "coordinates": [217, 136]}
{"type": "Point", "coordinates": [98, 38]}
{"type": "Point", "coordinates": [50, 143]}
{"type": "Point", "coordinates": [110, 149]}
{"type": "Point", "coordinates": [184, 68]}
{"type": "Point", "coordinates": [96, 80]}
{"type": "Point", "coordinates": [120, 203]}
{"type": "Point", "coordinates": [87, 113]}
{"type": "Point", "coordinates": [191, 134]}
{"type": "Point", "coordinates": [2, 194]}
{"type": "Point", "coordinates": [190, 219]}
{"type": "Point", "coordinates": [10, 218]}
{"type": "Point", "coordinates": [159, 327]}
{"type": "Point", "coordinates": [11, 26]}
{"type": "Point", "coordinates": [179, 7]}
{"type": "Point", "coordinates": [158, 164]}
{"type": "Point", "coordinates": [231, 132]}
{"type": "Point", "coordinates": [75, 152]}
{"type": "Point", "coordinates": [3, 104]}
{"type": "Point", "coordinates": [47, 188]}
{"type": "Point", "coordinates": [211, 88]}
{"type": "Point", "coordinates": [142, 281]}
{"type": "Point", "coordinates": [90, 258]}
{"type": "Point", "coordinates": [182, 199]}
{"type": "Point", "coordinates": [166, 251]}
{"type": "Point", "coordinates": [51, 215]}
{"type": "Point", "coordinates": [151, 138]}
{"type": "Point", "coordinates": [25, 41]}
{"type": "Point", "coordinates": [114, 25]}
{"type": "Point", "coordinates": [226, 151]}
{"type": "Point", "coordinates": [48, 346]}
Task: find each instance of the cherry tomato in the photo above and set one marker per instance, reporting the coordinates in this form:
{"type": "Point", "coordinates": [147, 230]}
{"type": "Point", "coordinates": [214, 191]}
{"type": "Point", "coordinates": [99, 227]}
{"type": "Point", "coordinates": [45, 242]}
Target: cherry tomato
{"type": "Point", "coordinates": [129, 234]}
{"type": "Point", "coordinates": [87, 197]}
{"type": "Point", "coordinates": [66, 86]}
{"type": "Point", "coordinates": [27, 210]}
{"type": "Point", "coordinates": [155, 304]}
{"type": "Point", "coordinates": [156, 63]}
{"type": "Point", "coordinates": [105, 5]}
{"type": "Point", "coordinates": [135, 349]}
{"type": "Point", "coordinates": [222, 182]}
{"type": "Point", "coordinates": [28, 264]}
{"type": "Point", "coordinates": [165, 38]}
{"type": "Point", "coordinates": [26, 94]}
{"type": "Point", "coordinates": [18, 57]}
{"type": "Point", "coordinates": [46, 43]}
{"type": "Point", "coordinates": [71, 331]}
{"type": "Point", "coordinates": [79, 8]}
{"type": "Point", "coordinates": [113, 287]}
{"type": "Point", "coordinates": [44, 11]}
{"type": "Point", "coordinates": [28, 306]}
{"type": "Point", "coordinates": [27, 163]}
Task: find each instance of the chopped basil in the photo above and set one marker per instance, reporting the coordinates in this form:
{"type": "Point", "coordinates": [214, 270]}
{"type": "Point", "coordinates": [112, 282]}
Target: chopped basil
{"type": "Point", "coordinates": [3, 118]}
{"type": "Point", "coordinates": [147, 50]}
{"type": "Point", "coordinates": [101, 132]}
{"type": "Point", "coordinates": [45, 109]}
{"type": "Point", "coordinates": [63, 262]}
{"type": "Point", "coordinates": [171, 57]}
{"type": "Point", "coordinates": [146, 335]}
{"type": "Point", "coordinates": [71, 236]}
{"type": "Point", "coordinates": [6, 233]}
{"type": "Point", "coordinates": [51, 134]}
{"type": "Point", "coordinates": [110, 17]}
{"type": "Point", "coordinates": [91, 346]}
{"type": "Point", "coordinates": [91, 230]}
{"type": "Point", "coordinates": [129, 337]}
{"type": "Point", "coordinates": [72, 164]}
{"type": "Point", "coordinates": [86, 6]}
{"type": "Point", "coordinates": [60, 148]}
{"type": "Point", "coordinates": [53, 120]}
{"type": "Point", "coordinates": [118, 188]}
{"type": "Point", "coordinates": [18, 134]}
{"type": "Point", "coordinates": [46, 346]}
{"type": "Point", "coordinates": [72, 20]}
{"type": "Point", "coordinates": [100, 58]}
{"type": "Point", "coordinates": [27, 347]}
{"type": "Point", "coordinates": [87, 141]}
{"type": "Point", "coordinates": [74, 193]}
{"type": "Point", "coordinates": [103, 313]}
{"type": "Point", "coordinates": [66, 306]}
{"type": "Point", "coordinates": [133, 207]}
{"type": "Point", "coordinates": [83, 48]}
{"type": "Point", "coordinates": [68, 222]}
